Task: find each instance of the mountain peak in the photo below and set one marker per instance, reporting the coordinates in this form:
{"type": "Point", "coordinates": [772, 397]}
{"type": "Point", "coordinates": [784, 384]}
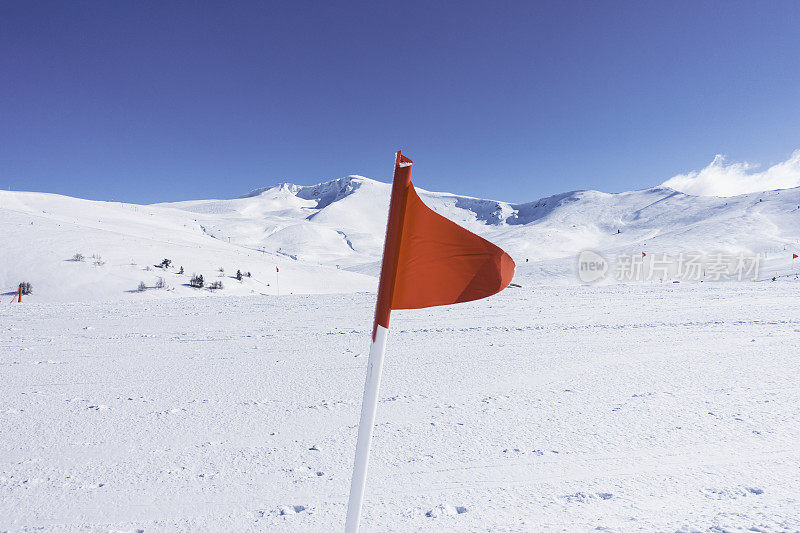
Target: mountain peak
{"type": "Point", "coordinates": [326, 192]}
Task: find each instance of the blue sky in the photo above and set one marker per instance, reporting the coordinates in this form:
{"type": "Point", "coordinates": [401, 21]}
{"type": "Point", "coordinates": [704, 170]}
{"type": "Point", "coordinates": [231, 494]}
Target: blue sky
{"type": "Point", "coordinates": [163, 101]}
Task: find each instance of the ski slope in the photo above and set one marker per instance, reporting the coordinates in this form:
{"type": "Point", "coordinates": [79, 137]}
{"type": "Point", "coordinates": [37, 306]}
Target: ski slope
{"type": "Point", "coordinates": [614, 408]}
{"type": "Point", "coordinates": [42, 232]}
{"type": "Point", "coordinates": [553, 406]}
{"type": "Point", "coordinates": [328, 237]}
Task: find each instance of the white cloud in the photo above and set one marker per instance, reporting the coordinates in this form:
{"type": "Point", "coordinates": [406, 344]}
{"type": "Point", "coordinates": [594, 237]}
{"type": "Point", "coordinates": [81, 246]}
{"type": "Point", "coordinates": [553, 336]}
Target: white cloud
{"type": "Point", "coordinates": [723, 179]}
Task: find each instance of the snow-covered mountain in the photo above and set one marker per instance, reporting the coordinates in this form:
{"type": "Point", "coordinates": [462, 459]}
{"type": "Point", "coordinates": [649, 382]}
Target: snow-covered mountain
{"type": "Point", "coordinates": [344, 220]}
{"type": "Point", "coordinates": [341, 222]}
{"type": "Point", "coordinates": [328, 237]}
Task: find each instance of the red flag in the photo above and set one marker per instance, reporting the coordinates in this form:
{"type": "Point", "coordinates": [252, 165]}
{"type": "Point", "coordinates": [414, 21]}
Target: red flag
{"type": "Point", "coordinates": [276, 269]}
{"type": "Point", "coordinates": [794, 256]}
{"type": "Point", "coordinates": [429, 260]}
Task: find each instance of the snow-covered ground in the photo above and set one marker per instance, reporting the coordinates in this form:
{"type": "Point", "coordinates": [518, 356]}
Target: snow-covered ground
{"type": "Point", "coordinates": [41, 233]}
{"type": "Point", "coordinates": [328, 238]}
{"type": "Point", "coordinates": [645, 407]}
{"type": "Point", "coordinates": [553, 406]}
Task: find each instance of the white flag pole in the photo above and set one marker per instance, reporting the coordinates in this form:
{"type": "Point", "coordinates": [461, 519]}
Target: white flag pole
{"type": "Point", "coordinates": [369, 403]}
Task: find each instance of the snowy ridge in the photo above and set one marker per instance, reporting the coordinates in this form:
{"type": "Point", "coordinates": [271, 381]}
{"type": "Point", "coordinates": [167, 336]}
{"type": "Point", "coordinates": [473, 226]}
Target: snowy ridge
{"type": "Point", "coordinates": [331, 234]}
{"type": "Point", "coordinates": [324, 193]}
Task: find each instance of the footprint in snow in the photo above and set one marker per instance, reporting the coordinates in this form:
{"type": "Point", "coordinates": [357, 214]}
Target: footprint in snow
{"type": "Point", "coordinates": [583, 497]}
{"type": "Point", "coordinates": [286, 510]}
{"type": "Point", "coordinates": [731, 493]}
{"type": "Point", "coordinates": [443, 510]}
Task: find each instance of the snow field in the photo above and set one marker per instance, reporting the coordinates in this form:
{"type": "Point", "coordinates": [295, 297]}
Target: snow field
{"type": "Point", "coordinates": [614, 408]}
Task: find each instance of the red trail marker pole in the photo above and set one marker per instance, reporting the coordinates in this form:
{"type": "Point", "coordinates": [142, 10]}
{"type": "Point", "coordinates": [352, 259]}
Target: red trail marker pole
{"type": "Point", "coordinates": [428, 260]}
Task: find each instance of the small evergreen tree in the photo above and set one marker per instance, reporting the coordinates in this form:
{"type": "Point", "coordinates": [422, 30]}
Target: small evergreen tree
{"type": "Point", "coordinates": [197, 281]}
{"type": "Point", "coordinates": [27, 288]}
{"type": "Point", "coordinates": [181, 270]}
{"type": "Point", "coordinates": [216, 285]}
{"type": "Point", "coordinates": [166, 263]}
{"type": "Point", "coordinates": [142, 287]}
{"type": "Point", "coordinates": [160, 283]}
{"type": "Point", "coordinates": [239, 275]}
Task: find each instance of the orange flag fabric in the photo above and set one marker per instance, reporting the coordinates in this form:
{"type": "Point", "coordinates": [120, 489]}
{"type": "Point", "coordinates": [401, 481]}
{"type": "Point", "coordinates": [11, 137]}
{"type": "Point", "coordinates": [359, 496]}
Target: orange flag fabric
{"type": "Point", "coordinates": [441, 263]}
{"type": "Point", "coordinates": [430, 260]}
